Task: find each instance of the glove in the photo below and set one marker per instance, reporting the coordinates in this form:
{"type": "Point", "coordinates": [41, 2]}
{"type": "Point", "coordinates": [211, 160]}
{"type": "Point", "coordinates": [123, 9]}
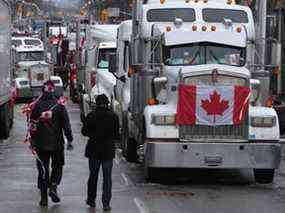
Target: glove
{"type": "Point", "coordinates": [69, 146]}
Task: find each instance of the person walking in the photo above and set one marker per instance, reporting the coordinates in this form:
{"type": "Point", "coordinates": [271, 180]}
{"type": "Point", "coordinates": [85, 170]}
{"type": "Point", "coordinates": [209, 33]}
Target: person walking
{"type": "Point", "coordinates": [49, 119]}
{"type": "Point", "coordinates": [102, 128]}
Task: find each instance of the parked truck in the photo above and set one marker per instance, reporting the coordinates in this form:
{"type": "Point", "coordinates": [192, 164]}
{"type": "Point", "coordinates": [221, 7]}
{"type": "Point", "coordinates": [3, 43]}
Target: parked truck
{"type": "Point", "coordinates": [100, 44]}
{"type": "Point", "coordinates": [29, 67]}
{"type": "Point", "coordinates": [186, 94]}
{"type": "Point", "coordinates": [274, 34]}
{"type": "Point", "coordinates": [6, 98]}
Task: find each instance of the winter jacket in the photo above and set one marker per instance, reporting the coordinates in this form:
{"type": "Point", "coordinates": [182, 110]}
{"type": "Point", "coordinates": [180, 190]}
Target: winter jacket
{"type": "Point", "coordinates": [49, 133]}
{"type": "Point", "coordinates": [102, 128]}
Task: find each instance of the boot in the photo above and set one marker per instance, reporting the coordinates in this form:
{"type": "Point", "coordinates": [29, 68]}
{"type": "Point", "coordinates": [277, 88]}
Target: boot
{"type": "Point", "coordinates": [106, 207]}
{"type": "Point", "coordinates": [53, 193]}
{"type": "Point", "coordinates": [44, 198]}
{"type": "Point", "coordinates": [91, 203]}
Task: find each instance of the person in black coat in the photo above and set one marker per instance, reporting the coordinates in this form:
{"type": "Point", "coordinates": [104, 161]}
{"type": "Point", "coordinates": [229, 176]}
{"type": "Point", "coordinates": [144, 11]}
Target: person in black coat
{"type": "Point", "coordinates": [50, 119]}
{"type": "Point", "coordinates": [102, 128]}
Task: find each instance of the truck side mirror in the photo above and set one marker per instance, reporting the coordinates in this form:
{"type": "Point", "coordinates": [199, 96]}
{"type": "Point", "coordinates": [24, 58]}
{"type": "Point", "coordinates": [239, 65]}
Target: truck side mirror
{"type": "Point", "coordinates": [112, 63]}
{"type": "Point", "coordinates": [255, 88]}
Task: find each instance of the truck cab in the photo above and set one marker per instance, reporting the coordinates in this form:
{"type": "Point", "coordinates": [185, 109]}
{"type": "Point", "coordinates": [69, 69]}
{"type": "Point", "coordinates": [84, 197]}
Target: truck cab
{"type": "Point", "coordinates": [183, 53]}
{"type": "Point", "coordinates": [29, 68]}
{"type": "Point", "coordinates": [100, 79]}
{"type": "Point", "coordinates": [99, 46]}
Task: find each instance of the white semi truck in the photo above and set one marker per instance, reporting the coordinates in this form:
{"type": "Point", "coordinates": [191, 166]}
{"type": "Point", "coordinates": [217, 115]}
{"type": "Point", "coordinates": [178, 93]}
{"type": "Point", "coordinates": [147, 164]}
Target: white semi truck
{"type": "Point", "coordinates": [100, 44]}
{"type": "Point", "coordinates": [30, 69]}
{"type": "Point", "coordinates": [6, 98]}
{"type": "Point", "coordinates": [188, 99]}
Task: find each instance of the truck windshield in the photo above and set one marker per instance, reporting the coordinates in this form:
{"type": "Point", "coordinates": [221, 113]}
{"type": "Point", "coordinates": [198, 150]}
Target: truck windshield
{"type": "Point", "coordinates": [204, 53]}
{"type": "Point", "coordinates": [17, 42]}
{"type": "Point", "coordinates": [31, 56]}
{"type": "Point", "coordinates": [103, 58]}
{"type": "Point", "coordinates": [35, 42]}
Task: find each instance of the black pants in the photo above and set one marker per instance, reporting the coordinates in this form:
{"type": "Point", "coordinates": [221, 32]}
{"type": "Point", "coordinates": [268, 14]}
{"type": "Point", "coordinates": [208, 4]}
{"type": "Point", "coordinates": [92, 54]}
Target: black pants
{"type": "Point", "coordinates": [94, 167]}
{"type": "Point", "coordinates": [57, 162]}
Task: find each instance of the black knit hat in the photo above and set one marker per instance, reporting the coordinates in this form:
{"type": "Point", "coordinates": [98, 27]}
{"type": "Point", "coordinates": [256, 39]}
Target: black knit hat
{"type": "Point", "coordinates": [102, 100]}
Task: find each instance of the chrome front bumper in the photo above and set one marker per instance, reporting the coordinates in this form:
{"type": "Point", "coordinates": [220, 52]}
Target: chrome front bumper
{"type": "Point", "coordinates": [212, 155]}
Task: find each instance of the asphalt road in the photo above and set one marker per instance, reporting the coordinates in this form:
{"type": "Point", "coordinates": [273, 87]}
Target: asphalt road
{"type": "Point", "coordinates": [182, 191]}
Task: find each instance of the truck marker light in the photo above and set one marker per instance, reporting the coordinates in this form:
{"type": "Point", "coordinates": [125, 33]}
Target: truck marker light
{"type": "Point", "coordinates": [239, 29]}
{"type": "Point", "coordinates": [168, 29]}
{"type": "Point", "coordinates": [205, 1]}
{"type": "Point", "coordinates": [213, 28]}
{"type": "Point", "coordinates": [277, 71]}
{"type": "Point", "coordinates": [194, 28]}
{"type": "Point", "coordinates": [162, 1]}
{"type": "Point", "coordinates": [131, 71]}
{"type": "Point", "coordinates": [187, 1]}
{"type": "Point", "coordinates": [151, 102]}
{"type": "Point", "coordinates": [204, 28]}
{"type": "Point", "coordinates": [230, 2]}
{"type": "Point", "coordinates": [269, 102]}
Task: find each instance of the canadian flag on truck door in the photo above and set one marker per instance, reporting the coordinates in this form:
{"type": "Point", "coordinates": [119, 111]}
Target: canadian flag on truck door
{"type": "Point", "coordinates": [212, 105]}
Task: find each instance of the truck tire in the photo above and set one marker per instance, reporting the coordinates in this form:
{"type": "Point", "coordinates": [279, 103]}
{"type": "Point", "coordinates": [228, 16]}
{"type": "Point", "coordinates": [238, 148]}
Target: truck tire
{"type": "Point", "coordinates": [129, 146]}
{"type": "Point", "coordinates": [264, 175]}
{"type": "Point", "coordinates": [124, 133]}
{"type": "Point", "coordinates": [149, 174]}
{"type": "Point", "coordinates": [11, 118]}
{"type": "Point", "coordinates": [82, 115]}
{"type": "Point", "coordinates": [131, 150]}
{"type": "Point", "coordinates": [4, 121]}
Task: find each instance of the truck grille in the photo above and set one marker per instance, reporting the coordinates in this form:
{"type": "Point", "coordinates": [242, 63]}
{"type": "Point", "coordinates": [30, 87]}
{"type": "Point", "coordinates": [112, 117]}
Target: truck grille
{"type": "Point", "coordinates": [204, 133]}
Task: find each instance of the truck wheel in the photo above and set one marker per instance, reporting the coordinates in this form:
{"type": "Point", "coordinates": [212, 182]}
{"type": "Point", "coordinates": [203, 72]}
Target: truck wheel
{"type": "Point", "coordinates": [149, 174]}
{"type": "Point", "coordinates": [124, 133]}
{"type": "Point", "coordinates": [264, 175]}
{"type": "Point", "coordinates": [131, 150]}
{"type": "Point", "coordinates": [4, 121]}
{"type": "Point", "coordinates": [11, 118]}
{"type": "Point", "coordinates": [82, 116]}
{"type": "Point", "coordinates": [128, 144]}
{"type": "Point", "coordinates": [81, 106]}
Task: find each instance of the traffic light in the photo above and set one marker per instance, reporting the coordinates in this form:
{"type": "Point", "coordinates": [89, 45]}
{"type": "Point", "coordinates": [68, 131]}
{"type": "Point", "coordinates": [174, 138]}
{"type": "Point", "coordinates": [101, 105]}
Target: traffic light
{"type": "Point", "coordinates": [104, 15]}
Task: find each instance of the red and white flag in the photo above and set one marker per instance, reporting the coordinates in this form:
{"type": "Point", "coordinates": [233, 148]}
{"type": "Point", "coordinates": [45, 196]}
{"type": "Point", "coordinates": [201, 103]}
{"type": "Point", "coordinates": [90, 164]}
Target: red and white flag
{"type": "Point", "coordinates": [212, 105]}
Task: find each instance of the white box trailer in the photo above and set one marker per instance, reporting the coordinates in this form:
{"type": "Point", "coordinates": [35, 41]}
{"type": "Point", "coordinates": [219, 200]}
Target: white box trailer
{"type": "Point", "coordinates": [6, 108]}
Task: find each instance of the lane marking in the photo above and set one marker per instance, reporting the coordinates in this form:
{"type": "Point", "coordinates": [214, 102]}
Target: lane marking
{"type": "Point", "coordinates": [127, 180]}
{"type": "Point", "coordinates": [141, 205]}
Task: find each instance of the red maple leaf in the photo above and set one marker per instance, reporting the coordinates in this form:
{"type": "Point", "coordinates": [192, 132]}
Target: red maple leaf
{"type": "Point", "coordinates": [215, 106]}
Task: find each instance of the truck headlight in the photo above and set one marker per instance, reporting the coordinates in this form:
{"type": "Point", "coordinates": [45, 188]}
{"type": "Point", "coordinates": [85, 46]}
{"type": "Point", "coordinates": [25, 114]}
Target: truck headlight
{"type": "Point", "coordinates": [263, 121]}
{"type": "Point", "coordinates": [163, 119]}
